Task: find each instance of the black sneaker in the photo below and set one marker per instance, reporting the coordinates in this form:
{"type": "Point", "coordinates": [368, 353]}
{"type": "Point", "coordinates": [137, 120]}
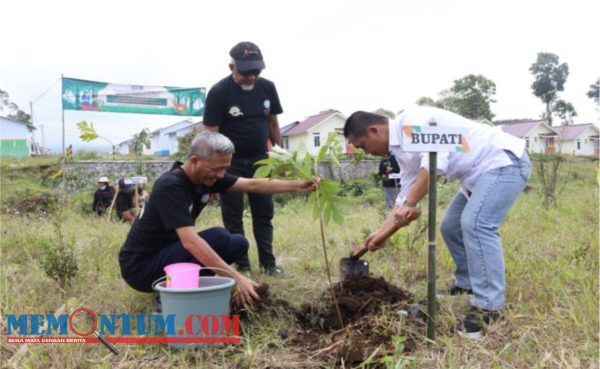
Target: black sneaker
{"type": "Point", "coordinates": [453, 291]}
{"type": "Point", "coordinates": [471, 326]}
{"type": "Point", "coordinates": [277, 272]}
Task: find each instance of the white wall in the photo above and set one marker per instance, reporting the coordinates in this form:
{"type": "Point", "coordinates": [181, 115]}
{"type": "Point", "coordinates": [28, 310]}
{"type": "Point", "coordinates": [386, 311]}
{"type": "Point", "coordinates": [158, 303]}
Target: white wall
{"type": "Point", "coordinates": [123, 148]}
{"type": "Point", "coordinates": [11, 130]}
{"type": "Point", "coordinates": [307, 141]}
{"type": "Point", "coordinates": [160, 142]}
{"type": "Point", "coordinates": [537, 144]}
{"type": "Point", "coordinates": [587, 147]}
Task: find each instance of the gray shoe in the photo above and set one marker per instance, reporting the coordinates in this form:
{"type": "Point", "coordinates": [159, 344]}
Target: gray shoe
{"type": "Point", "coordinates": [277, 272]}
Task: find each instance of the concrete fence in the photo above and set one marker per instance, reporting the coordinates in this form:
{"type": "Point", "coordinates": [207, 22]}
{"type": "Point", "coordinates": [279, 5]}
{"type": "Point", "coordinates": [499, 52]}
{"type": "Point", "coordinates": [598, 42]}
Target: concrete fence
{"type": "Point", "coordinates": [82, 175]}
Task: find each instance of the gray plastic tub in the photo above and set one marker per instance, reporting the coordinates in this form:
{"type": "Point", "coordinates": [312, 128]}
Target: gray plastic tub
{"type": "Point", "coordinates": [212, 298]}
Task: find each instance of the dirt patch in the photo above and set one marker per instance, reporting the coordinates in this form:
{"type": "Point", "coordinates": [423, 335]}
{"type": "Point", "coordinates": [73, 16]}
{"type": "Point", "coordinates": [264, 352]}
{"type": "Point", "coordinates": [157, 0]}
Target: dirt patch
{"type": "Point", "coordinates": [357, 297]}
{"type": "Point", "coordinates": [373, 321]}
{"type": "Point", "coordinates": [36, 203]}
{"type": "Point", "coordinates": [266, 307]}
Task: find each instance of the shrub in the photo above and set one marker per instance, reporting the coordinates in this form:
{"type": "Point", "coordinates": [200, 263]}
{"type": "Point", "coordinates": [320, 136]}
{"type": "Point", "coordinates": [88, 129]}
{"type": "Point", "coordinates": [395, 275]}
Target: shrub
{"type": "Point", "coordinates": [86, 155]}
{"type": "Point", "coordinates": [59, 262]}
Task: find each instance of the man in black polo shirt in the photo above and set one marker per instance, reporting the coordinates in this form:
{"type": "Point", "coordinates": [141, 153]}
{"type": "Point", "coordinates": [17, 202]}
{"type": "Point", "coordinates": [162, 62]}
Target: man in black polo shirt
{"type": "Point", "coordinates": [164, 233]}
{"type": "Point", "coordinates": [244, 108]}
{"type": "Point", "coordinates": [124, 202]}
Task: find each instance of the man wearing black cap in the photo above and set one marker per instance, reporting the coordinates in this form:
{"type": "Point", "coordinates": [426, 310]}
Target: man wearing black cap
{"type": "Point", "coordinates": [124, 202]}
{"type": "Point", "coordinates": [244, 108]}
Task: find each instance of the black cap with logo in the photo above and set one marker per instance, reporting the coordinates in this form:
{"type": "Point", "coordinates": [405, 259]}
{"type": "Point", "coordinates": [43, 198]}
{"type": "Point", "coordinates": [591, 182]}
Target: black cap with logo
{"type": "Point", "coordinates": [247, 56]}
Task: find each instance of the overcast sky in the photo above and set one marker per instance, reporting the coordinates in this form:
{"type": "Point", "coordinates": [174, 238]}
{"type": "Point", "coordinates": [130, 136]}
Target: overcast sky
{"type": "Point", "coordinates": [347, 55]}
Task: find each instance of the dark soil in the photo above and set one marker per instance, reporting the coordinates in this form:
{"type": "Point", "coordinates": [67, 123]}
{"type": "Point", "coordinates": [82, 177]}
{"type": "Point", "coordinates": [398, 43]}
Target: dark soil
{"type": "Point", "coordinates": [41, 203]}
{"type": "Point", "coordinates": [357, 297]}
{"type": "Point", "coordinates": [315, 330]}
{"type": "Point", "coordinates": [266, 307]}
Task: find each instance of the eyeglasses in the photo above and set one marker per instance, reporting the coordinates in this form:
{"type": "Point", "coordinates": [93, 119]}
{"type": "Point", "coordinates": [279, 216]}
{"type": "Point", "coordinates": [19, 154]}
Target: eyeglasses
{"type": "Point", "coordinates": [252, 72]}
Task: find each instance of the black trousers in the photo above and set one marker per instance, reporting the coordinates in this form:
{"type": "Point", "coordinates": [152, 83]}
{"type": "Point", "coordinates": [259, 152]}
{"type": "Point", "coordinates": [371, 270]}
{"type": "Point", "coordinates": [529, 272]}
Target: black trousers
{"type": "Point", "coordinates": [141, 273]}
{"type": "Point", "coordinates": [261, 208]}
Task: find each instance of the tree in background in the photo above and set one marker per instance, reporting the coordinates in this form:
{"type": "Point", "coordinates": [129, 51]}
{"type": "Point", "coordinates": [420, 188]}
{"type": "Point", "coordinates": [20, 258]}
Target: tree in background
{"type": "Point", "coordinates": [565, 111]}
{"type": "Point", "coordinates": [386, 113]}
{"type": "Point", "coordinates": [427, 101]}
{"type": "Point", "coordinates": [184, 143]}
{"type": "Point", "coordinates": [550, 77]}
{"type": "Point", "coordinates": [594, 92]}
{"type": "Point", "coordinates": [13, 109]}
{"type": "Point", "coordinates": [470, 97]}
{"type": "Point", "coordinates": [140, 140]}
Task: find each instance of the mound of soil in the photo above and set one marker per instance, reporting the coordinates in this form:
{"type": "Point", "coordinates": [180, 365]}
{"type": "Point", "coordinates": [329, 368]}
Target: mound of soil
{"type": "Point", "coordinates": [357, 297]}
{"type": "Point", "coordinates": [33, 203]}
{"type": "Point", "coordinates": [265, 307]}
{"type": "Point", "coordinates": [316, 330]}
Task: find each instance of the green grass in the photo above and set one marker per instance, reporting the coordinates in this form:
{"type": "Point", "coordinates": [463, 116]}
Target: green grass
{"type": "Point", "coordinates": [551, 319]}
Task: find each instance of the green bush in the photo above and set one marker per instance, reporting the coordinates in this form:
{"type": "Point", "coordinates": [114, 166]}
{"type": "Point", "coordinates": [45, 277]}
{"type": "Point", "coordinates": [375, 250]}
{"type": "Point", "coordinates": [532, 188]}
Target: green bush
{"type": "Point", "coordinates": [81, 202]}
{"type": "Point", "coordinates": [355, 187]}
{"type": "Point", "coordinates": [58, 261]}
{"type": "Point", "coordinates": [86, 155]}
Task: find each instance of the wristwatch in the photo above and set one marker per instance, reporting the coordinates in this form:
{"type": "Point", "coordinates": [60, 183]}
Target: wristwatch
{"type": "Point", "coordinates": [412, 204]}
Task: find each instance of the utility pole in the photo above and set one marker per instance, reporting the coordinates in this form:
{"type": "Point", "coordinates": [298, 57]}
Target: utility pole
{"type": "Point", "coordinates": [43, 141]}
{"type": "Point", "coordinates": [32, 115]}
{"type": "Point", "coordinates": [33, 124]}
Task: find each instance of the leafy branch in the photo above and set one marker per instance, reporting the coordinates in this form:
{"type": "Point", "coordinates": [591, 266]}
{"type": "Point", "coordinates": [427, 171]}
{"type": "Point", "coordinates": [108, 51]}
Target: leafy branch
{"type": "Point", "coordinates": [325, 200]}
{"type": "Point", "coordinates": [88, 134]}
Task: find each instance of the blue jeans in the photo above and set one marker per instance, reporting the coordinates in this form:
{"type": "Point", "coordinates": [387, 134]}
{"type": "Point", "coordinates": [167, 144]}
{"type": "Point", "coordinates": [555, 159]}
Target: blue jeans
{"type": "Point", "coordinates": [470, 230]}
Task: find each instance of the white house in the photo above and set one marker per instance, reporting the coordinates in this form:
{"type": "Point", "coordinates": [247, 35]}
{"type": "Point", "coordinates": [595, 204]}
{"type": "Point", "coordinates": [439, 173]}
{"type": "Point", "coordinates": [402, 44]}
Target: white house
{"type": "Point", "coordinates": [579, 139]}
{"type": "Point", "coordinates": [539, 137]}
{"type": "Point", "coordinates": [124, 147]}
{"type": "Point", "coordinates": [575, 139]}
{"type": "Point", "coordinates": [163, 141]}
{"type": "Point", "coordinates": [159, 145]}
{"type": "Point", "coordinates": [16, 138]}
{"type": "Point", "coordinates": [313, 131]}
{"type": "Point", "coordinates": [167, 138]}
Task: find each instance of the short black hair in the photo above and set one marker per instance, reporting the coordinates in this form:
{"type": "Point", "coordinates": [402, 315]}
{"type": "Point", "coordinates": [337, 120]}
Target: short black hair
{"type": "Point", "coordinates": [359, 121]}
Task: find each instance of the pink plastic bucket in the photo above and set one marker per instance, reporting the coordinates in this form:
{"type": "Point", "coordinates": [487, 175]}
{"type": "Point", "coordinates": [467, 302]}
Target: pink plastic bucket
{"type": "Point", "coordinates": [182, 275]}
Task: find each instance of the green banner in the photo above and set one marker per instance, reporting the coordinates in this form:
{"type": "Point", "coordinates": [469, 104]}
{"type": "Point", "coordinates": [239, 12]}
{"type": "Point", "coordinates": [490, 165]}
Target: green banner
{"type": "Point", "coordinates": [79, 94]}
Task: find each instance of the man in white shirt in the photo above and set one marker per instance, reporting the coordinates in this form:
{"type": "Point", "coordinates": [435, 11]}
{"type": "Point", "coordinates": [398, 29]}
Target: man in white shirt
{"type": "Point", "coordinates": [493, 172]}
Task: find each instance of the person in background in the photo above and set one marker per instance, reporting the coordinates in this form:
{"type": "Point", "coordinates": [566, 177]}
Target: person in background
{"type": "Point", "coordinates": [142, 195]}
{"type": "Point", "coordinates": [103, 196]}
{"type": "Point", "coordinates": [69, 154]}
{"type": "Point", "coordinates": [391, 186]}
{"type": "Point", "coordinates": [493, 169]}
{"type": "Point", "coordinates": [244, 107]}
{"type": "Point", "coordinates": [124, 204]}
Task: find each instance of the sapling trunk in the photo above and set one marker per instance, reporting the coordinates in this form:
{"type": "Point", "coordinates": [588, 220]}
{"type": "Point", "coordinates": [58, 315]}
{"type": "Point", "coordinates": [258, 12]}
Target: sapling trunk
{"type": "Point", "coordinates": [337, 306]}
{"type": "Point", "coordinates": [324, 199]}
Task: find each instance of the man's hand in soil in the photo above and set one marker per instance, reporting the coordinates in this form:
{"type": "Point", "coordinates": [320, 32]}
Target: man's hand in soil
{"type": "Point", "coordinates": [244, 291]}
